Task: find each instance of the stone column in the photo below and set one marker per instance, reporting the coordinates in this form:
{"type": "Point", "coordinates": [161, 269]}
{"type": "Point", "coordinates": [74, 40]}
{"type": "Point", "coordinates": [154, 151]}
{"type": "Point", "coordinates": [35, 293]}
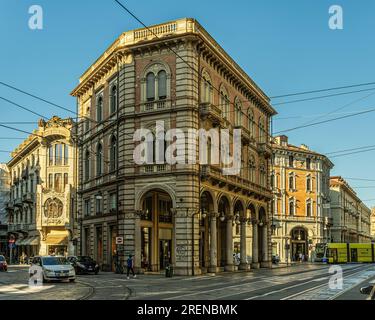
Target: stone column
{"type": "Point", "coordinates": [255, 262]}
{"type": "Point", "coordinates": [265, 261]}
{"type": "Point", "coordinates": [137, 244]}
{"type": "Point", "coordinates": [213, 243]}
{"type": "Point", "coordinates": [243, 265]}
{"type": "Point", "coordinates": [229, 246]}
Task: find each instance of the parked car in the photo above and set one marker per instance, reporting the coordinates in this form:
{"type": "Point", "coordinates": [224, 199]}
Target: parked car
{"type": "Point", "coordinates": [3, 264]}
{"type": "Point", "coordinates": [84, 264]}
{"type": "Point", "coordinates": [55, 268]}
{"type": "Point", "coordinates": [369, 290]}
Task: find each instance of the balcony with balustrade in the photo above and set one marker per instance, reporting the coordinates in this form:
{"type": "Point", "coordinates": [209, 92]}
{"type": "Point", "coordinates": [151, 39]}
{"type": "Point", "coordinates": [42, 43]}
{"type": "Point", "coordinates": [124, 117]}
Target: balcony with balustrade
{"type": "Point", "coordinates": [209, 111]}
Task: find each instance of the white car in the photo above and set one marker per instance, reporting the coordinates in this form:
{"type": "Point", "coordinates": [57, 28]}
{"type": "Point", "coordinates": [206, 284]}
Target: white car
{"type": "Point", "coordinates": [55, 268]}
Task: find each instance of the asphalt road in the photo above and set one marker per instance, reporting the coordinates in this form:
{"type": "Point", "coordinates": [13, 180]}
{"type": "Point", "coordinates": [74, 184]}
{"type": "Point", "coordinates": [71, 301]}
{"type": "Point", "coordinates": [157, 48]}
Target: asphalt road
{"type": "Point", "coordinates": [300, 282]}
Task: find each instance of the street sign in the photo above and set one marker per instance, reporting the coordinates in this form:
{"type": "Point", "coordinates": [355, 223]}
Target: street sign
{"type": "Point", "coordinates": [119, 240]}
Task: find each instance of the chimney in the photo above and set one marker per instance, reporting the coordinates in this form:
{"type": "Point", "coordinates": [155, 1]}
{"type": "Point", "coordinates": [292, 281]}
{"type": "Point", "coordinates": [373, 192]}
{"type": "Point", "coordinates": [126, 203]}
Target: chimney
{"type": "Point", "coordinates": [282, 140]}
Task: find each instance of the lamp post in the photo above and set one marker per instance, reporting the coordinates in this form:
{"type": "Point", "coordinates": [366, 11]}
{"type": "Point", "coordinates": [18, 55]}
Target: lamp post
{"type": "Point", "coordinates": [287, 248]}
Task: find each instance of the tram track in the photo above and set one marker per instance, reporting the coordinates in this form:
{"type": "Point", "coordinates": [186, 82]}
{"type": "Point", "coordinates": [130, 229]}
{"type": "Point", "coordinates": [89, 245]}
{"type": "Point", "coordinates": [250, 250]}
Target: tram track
{"type": "Point", "coordinates": [95, 292]}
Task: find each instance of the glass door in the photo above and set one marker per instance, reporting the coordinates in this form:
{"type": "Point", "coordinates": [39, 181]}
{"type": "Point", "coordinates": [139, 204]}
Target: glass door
{"type": "Point", "coordinates": [164, 253]}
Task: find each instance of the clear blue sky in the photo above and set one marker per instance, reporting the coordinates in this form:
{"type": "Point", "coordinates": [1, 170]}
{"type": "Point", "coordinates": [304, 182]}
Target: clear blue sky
{"type": "Point", "coordinates": [285, 46]}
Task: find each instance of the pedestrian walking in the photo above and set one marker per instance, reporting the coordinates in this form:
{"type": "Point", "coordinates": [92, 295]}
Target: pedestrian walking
{"type": "Point", "coordinates": [130, 266]}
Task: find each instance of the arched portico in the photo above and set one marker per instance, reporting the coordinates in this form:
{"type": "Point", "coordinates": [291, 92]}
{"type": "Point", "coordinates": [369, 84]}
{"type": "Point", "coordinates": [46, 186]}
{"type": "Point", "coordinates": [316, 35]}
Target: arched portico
{"type": "Point", "coordinates": [241, 219]}
{"type": "Point", "coordinates": [225, 234]}
{"type": "Point", "coordinates": [254, 221]}
{"type": "Point", "coordinates": [299, 243]}
{"type": "Point", "coordinates": [156, 229]}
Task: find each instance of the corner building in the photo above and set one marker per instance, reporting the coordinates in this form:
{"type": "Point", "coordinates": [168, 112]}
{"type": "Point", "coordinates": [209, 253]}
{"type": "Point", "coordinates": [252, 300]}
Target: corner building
{"type": "Point", "coordinates": [189, 215]}
{"type": "Point", "coordinates": [42, 204]}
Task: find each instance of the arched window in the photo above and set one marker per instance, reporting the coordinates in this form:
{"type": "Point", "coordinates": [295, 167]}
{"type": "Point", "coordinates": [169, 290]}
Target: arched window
{"type": "Point", "coordinates": [206, 88]}
{"type": "Point", "coordinates": [263, 176]}
{"type": "Point", "coordinates": [113, 100]}
{"type": "Point", "coordinates": [162, 85]}
{"type": "Point", "coordinates": [238, 113]}
{"type": "Point", "coordinates": [273, 177]}
{"type": "Point", "coordinates": [58, 154]}
{"type": "Point", "coordinates": [308, 183]}
{"type": "Point", "coordinates": [250, 121]}
{"type": "Point", "coordinates": [291, 181]}
{"type": "Point", "coordinates": [87, 120]}
{"type": "Point", "coordinates": [113, 154]}
{"type": "Point", "coordinates": [224, 103]}
{"type": "Point", "coordinates": [50, 156]}
{"type": "Point", "coordinates": [150, 86]}
{"type": "Point", "coordinates": [261, 131]}
{"type": "Point", "coordinates": [209, 150]}
{"type": "Point", "coordinates": [291, 207]}
{"type": "Point", "coordinates": [87, 165]}
{"type": "Point", "coordinates": [99, 160]}
{"type": "Point", "coordinates": [308, 208]}
{"type": "Point", "coordinates": [252, 169]}
{"type": "Point", "coordinates": [99, 109]}
{"type": "Point", "coordinates": [66, 154]}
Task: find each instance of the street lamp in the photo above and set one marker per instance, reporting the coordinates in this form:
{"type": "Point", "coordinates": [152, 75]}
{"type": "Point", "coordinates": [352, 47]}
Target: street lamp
{"type": "Point", "coordinates": [203, 214]}
{"type": "Point", "coordinates": [222, 217]}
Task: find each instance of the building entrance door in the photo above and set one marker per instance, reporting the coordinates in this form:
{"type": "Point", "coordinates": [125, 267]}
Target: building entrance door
{"type": "Point", "coordinates": [297, 249]}
{"type": "Point", "coordinates": [164, 253]}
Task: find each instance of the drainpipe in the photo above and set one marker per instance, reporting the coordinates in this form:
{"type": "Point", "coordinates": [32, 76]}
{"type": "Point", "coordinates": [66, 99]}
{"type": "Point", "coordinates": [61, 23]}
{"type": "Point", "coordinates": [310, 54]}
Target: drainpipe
{"type": "Point", "coordinates": [199, 173]}
{"type": "Point", "coordinates": [117, 152]}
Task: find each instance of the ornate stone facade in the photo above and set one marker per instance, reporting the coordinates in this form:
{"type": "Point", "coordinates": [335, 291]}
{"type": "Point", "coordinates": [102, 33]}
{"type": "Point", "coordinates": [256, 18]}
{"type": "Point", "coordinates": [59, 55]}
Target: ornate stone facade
{"type": "Point", "coordinates": [351, 217]}
{"type": "Point", "coordinates": [301, 216]}
{"type": "Point", "coordinates": [4, 198]}
{"type": "Point", "coordinates": [184, 214]}
{"type": "Point", "coordinates": [42, 203]}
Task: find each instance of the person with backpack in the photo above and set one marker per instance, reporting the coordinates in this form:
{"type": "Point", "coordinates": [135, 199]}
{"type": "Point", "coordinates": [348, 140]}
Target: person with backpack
{"type": "Point", "coordinates": [130, 266]}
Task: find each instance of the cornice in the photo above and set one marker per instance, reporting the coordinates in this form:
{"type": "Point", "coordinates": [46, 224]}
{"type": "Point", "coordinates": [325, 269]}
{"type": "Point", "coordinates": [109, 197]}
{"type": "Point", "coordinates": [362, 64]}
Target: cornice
{"type": "Point", "coordinates": [169, 31]}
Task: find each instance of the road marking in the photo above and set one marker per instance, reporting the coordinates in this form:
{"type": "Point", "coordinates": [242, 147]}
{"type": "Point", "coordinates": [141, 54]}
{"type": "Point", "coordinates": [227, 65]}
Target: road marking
{"type": "Point", "coordinates": [212, 290]}
{"type": "Point", "coordinates": [291, 287]}
{"type": "Point", "coordinates": [301, 293]}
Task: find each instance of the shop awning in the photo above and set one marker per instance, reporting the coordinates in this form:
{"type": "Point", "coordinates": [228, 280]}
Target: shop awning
{"type": "Point", "coordinates": [57, 239]}
{"type": "Point", "coordinates": [31, 241]}
{"type": "Point", "coordinates": [20, 242]}
{"type": "Point", "coordinates": [34, 241]}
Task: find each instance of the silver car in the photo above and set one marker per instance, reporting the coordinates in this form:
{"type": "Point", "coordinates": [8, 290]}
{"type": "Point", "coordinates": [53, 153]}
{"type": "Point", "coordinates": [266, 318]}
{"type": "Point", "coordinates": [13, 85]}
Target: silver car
{"type": "Point", "coordinates": [55, 268]}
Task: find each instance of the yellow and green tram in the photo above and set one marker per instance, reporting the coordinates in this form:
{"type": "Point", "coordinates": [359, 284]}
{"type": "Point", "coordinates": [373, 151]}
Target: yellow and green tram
{"type": "Point", "coordinates": [349, 252]}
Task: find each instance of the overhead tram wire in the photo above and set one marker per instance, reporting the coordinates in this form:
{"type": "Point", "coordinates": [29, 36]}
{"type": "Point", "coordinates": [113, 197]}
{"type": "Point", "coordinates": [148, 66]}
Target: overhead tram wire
{"type": "Point", "coordinates": [22, 107]}
{"type": "Point", "coordinates": [325, 121]}
{"type": "Point", "coordinates": [36, 97]}
{"type": "Point", "coordinates": [232, 103]}
{"type": "Point", "coordinates": [188, 64]}
{"type": "Point", "coordinates": [55, 105]}
{"type": "Point", "coordinates": [321, 97]}
{"type": "Point", "coordinates": [322, 90]}
{"type": "Point", "coordinates": [352, 149]}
